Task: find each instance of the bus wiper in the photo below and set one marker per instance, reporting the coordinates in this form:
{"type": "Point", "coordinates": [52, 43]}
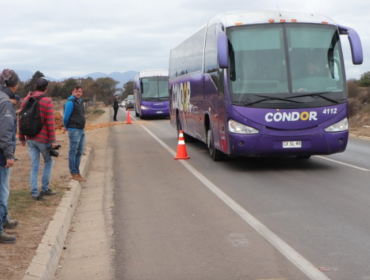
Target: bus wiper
{"type": "Point", "coordinates": [317, 94]}
{"type": "Point", "coordinates": [264, 98]}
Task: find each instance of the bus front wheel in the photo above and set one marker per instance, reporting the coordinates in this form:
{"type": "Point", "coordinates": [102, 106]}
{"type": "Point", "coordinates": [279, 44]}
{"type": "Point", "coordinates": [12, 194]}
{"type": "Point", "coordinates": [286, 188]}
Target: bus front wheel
{"type": "Point", "coordinates": [215, 154]}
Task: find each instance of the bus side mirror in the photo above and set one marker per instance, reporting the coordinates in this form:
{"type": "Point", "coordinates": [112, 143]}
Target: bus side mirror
{"type": "Point", "coordinates": [222, 50]}
{"type": "Point", "coordinates": [355, 43]}
{"type": "Point", "coordinates": [137, 84]}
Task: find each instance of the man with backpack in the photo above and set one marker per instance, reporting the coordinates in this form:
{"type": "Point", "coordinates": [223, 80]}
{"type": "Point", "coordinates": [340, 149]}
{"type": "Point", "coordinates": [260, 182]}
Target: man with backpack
{"type": "Point", "coordinates": [37, 129]}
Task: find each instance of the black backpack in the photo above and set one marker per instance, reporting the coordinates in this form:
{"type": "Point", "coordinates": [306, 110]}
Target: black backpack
{"type": "Point", "coordinates": [30, 122]}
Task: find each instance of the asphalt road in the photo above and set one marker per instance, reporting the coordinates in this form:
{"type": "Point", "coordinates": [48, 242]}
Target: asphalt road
{"type": "Point", "coordinates": [278, 218]}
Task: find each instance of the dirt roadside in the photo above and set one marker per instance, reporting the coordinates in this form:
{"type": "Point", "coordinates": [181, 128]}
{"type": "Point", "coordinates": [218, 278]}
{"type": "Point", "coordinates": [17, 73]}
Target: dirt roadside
{"type": "Point", "coordinates": [34, 216]}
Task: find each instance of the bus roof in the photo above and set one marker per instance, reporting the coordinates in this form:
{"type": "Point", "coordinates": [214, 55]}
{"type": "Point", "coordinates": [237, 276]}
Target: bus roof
{"type": "Point", "coordinates": [153, 73]}
{"type": "Point", "coordinates": [247, 17]}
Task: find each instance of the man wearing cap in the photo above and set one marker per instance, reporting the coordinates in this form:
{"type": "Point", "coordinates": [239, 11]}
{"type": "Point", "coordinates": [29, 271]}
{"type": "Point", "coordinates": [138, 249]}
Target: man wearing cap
{"type": "Point", "coordinates": [41, 143]}
{"type": "Point", "coordinates": [8, 85]}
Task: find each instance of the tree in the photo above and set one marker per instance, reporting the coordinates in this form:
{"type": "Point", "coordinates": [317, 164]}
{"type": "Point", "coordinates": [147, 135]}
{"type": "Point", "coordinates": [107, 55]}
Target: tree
{"type": "Point", "coordinates": [67, 87]}
{"type": "Point", "coordinates": [104, 89]}
{"type": "Point", "coordinates": [364, 80]}
{"type": "Point", "coordinates": [30, 85]}
{"type": "Point", "coordinates": [128, 89]}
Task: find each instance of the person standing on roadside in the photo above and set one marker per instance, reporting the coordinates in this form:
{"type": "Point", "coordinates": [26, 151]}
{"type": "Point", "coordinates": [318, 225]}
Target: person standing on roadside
{"type": "Point", "coordinates": [115, 107]}
{"type": "Point", "coordinates": [42, 142]}
{"type": "Point", "coordinates": [74, 122]}
{"type": "Point", "coordinates": [8, 86]}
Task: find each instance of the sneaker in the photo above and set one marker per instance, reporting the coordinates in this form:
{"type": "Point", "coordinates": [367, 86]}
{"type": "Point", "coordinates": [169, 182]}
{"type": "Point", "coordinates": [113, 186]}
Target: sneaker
{"type": "Point", "coordinates": [38, 197]}
{"type": "Point", "coordinates": [12, 224]}
{"type": "Point", "coordinates": [48, 192]}
{"type": "Point", "coordinates": [7, 239]}
{"type": "Point", "coordinates": [78, 177]}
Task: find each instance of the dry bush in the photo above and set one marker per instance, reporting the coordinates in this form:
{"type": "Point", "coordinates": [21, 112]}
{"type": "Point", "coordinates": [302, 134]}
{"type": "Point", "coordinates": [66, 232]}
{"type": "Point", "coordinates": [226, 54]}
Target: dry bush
{"type": "Point", "coordinates": [354, 106]}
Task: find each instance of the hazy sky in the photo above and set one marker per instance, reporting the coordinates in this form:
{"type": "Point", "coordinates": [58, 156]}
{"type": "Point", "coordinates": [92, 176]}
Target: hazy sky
{"type": "Point", "coordinates": [75, 37]}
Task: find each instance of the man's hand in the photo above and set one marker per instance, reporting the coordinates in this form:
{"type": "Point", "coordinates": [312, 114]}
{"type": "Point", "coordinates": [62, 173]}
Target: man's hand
{"type": "Point", "coordinates": [23, 143]}
{"type": "Point", "coordinates": [9, 163]}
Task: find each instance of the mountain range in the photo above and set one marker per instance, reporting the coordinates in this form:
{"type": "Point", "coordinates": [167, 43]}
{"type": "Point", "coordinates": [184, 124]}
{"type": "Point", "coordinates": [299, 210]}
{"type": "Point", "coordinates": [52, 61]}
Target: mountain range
{"type": "Point", "coordinates": [121, 77]}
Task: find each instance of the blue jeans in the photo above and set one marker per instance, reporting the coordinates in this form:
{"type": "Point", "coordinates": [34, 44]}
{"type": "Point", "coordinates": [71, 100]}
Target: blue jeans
{"type": "Point", "coordinates": [76, 149]}
{"type": "Point", "coordinates": [35, 149]}
{"type": "Point", "coordinates": [4, 195]}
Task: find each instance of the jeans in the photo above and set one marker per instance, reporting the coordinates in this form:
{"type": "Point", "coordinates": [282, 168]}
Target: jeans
{"type": "Point", "coordinates": [76, 149]}
{"type": "Point", "coordinates": [35, 149]}
{"type": "Point", "coordinates": [115, 114]}
{"type": "Point", "coordinates": [4, 195]}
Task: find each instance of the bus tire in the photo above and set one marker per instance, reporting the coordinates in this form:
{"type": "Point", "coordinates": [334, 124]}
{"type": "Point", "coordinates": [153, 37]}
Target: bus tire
{"type": "Point", "coordinates": [178, 125]}
{"type": "Point", "coordinates": [187, 138]}
{"type": "Point", "coordinates": [215, 154]}
{"type": "Point", "coordinates": [303, 157]}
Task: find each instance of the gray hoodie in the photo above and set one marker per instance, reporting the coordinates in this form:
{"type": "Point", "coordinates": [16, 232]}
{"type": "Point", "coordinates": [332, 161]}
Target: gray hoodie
{"type": "Point", "coordinates": [7, 124]}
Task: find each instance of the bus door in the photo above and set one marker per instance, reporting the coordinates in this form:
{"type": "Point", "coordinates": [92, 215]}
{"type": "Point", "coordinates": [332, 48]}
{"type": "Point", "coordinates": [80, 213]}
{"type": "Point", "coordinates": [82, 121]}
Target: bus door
{"type": "Point", "coordinates": [197, 106]}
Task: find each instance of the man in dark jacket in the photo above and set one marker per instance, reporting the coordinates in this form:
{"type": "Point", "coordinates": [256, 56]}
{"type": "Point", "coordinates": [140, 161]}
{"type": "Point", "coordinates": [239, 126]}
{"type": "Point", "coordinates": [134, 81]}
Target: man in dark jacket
{"type": "Point", "coordinates": [115, 107]}
{"type": "Point", "coordinates": [8, 85]}
{"type": "Point", "coordinates": [74, 122]}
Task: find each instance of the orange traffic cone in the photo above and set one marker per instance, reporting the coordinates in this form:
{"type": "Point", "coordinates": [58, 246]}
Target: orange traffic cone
{"type": "Point", "coordinates": [128, 117]}
{"type": "Point", "coordinates": [181, 149]}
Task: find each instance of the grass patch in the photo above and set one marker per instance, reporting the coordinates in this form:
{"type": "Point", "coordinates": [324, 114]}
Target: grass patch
{"type": "Point", "coordinates": [19, 201]}
{"type": "Point", "coordinates": [21, 204]}
{"type": "Point", "coordinates": [92, 114]}
{"type": "Point", "coordinates": [98, 112]}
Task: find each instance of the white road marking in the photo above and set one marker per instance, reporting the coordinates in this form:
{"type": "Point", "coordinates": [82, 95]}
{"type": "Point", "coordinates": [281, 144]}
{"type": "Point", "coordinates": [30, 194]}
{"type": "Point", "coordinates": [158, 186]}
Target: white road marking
{"type": "Point", "coordinates": [299, 261]}
{"type": "Point", "coordinates": [343, 163]}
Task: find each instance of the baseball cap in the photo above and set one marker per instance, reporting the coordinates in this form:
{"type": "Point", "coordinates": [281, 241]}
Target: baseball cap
{"type": "Point", "coordinates": [42, 82]}
{"type": "Point", "coordinates": [17, 97]}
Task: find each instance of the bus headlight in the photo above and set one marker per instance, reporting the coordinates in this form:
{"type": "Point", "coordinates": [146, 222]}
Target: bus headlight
{"type": "Point", "coordinates": [239, 128]}
{"type": "Point", "coordinates": [339, 126]}
{"type": "Point", "coordinates": [144, 107]}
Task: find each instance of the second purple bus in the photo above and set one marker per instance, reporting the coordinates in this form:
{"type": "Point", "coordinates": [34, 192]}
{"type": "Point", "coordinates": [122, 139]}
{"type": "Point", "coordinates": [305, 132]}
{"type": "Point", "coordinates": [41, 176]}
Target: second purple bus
{"type": "Point", "coordinates": [151, 93]}
{"type": "Point", "coordinates": [263, 83]}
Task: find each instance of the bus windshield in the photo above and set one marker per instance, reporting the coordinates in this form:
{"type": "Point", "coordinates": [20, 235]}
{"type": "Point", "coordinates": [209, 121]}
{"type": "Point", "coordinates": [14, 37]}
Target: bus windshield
{"type": "Point", "coordinates": [285, 64]}
{"type": "Point", "coordinates": [154, 88]}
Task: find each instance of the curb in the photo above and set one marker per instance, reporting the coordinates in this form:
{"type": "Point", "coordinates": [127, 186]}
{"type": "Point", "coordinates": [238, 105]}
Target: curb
{"type": "Point", "coordinates": [45, 262]}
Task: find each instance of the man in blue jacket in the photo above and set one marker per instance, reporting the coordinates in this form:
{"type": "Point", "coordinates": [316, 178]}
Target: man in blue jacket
{"type": "Point", "coordinates": [8, 85]}
{"type": "Point", "coordinates": [74, 122]}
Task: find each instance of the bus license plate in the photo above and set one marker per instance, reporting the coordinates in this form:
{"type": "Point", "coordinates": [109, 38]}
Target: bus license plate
{"type": "Point", "coordinates": [159, 112]}
{"type": "Point", "coordinates": [292, 144]}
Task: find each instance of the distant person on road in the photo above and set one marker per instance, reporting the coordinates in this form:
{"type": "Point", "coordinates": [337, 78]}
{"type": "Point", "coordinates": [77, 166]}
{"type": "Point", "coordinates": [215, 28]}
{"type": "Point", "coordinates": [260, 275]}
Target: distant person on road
{"type": "Point", "coordinates": [42, 142]}
{"type": "Point", "coordinates": [74, 122]}
{"type": "Point", "coordinates": [8, 86]}
{"type": "Point", "coordinates": [115, 107]}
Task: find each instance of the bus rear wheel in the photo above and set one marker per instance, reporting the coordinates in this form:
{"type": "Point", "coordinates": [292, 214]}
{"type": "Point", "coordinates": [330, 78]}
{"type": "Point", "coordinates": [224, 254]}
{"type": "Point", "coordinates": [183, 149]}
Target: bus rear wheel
{"type": "Point", "coordinates": [215, 154]}
{"type": "Point", "coordinates": [303, 157]}
{"type": "Point", "coordinates": [187, 138]}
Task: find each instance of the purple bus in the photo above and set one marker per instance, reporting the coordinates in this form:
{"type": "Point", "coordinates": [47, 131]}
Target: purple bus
{"type": "Point", "coordinates": [263, 83]}
{"type": "Point", "coordinates": [151, 93]}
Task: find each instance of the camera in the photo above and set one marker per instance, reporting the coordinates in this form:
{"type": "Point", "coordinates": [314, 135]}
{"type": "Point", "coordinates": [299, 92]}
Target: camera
{"type": "Point", "coordinates": [53, 152]}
